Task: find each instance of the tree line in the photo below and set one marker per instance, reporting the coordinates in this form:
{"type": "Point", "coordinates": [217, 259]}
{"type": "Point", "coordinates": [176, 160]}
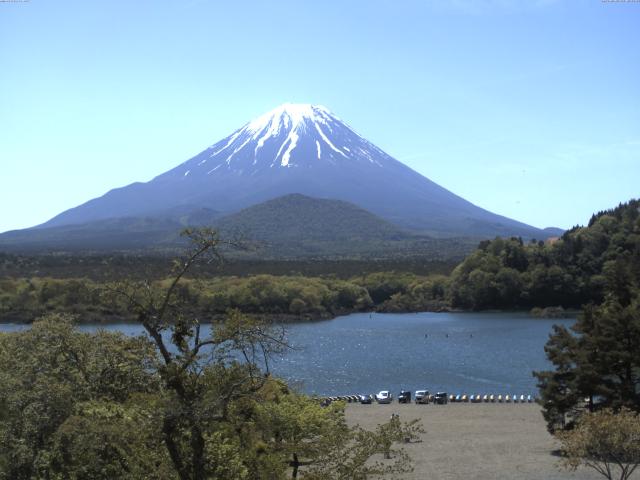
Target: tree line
{"type": "Point", "coordinates": [591, 396]}
{"type": "Point", "coordinates": [279, 297]}
{"type": "Point", "coordinates": [569, 271]}
{"type": "Point", "coordinates": [500, 274]}
{"type": "Point", "coordinates": [597, 360]}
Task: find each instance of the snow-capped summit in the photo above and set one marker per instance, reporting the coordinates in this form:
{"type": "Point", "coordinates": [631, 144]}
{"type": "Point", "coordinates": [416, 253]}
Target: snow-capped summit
{"type": "Point", "coordinates": [291, 135]}
{"type": "Point", "coordinates": [291, 115]}
{"type": "Point", "coordinates": [305, 149]}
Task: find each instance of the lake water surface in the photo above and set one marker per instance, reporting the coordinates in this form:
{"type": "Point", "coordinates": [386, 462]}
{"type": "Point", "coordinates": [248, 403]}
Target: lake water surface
{"type": "Point", "coordinates": [365, 353]}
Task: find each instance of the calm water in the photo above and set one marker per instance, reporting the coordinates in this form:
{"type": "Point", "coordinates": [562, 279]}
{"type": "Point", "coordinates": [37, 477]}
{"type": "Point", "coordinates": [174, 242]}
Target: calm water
{"type": "Point", "coordinates": [454, 352]}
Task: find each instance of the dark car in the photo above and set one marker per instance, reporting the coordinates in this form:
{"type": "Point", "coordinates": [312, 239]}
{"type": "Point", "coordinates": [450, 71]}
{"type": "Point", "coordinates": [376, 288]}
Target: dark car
{"type": "Point", "coordinates": [365, 399]}
{"type": "Point", "coordinates": [404, 397]}
{"type": "Point", "coordinates": [441, 398]}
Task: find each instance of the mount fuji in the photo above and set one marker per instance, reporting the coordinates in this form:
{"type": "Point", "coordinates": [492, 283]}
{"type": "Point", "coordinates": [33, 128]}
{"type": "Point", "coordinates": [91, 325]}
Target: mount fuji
{"type": "Point", "coordinates": [298, 149]}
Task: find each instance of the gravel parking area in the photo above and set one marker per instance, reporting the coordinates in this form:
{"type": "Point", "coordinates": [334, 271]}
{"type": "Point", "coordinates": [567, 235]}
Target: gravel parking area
{"type": "Point", "coordinates": [475, 441]}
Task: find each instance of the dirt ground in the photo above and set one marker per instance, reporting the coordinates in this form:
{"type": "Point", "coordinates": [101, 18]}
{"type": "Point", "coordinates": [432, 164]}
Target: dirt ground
{"type": "Point", "coordinates": [475, 441]}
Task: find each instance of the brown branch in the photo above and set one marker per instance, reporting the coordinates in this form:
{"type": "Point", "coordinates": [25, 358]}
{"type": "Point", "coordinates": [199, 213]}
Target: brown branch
{"type": "Point", "coordinates": [159, 341]}
{"type": "Point", "coordinates": [168, 430]}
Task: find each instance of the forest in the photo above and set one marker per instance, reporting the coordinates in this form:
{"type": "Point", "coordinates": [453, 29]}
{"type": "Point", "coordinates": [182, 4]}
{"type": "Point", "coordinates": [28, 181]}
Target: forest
{"type": "Point", "coordinates": [596, 360]}
{"type": "Point", "coordinates": [277, 297]}
{"type": "Point", "coordinates": [567, 272]}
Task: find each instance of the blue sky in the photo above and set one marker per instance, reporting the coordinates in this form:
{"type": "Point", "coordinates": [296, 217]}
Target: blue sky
{"type": "Point", "coordinates": [530, 109]}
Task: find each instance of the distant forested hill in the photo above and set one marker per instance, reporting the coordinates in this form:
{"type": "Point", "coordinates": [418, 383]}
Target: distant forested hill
{"type": "Point", "coordinates": [574, 270]}
{"type": "Point", "coordinates": [297, 226]}
{"type": "Point", "coordinates": [289, 227]}
{"type": "Point", "coordinates": [311, 219]}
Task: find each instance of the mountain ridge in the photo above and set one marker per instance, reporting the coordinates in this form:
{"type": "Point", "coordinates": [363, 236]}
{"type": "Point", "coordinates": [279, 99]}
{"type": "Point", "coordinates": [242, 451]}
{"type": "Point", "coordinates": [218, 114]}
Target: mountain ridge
{"type": "Point", "coordinates": [288, 227]}
{"type": "Point", "coordinates": [301, 149]}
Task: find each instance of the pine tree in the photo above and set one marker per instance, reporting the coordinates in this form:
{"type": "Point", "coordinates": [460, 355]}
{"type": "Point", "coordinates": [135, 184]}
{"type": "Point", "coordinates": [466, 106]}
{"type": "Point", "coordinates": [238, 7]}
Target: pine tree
{"type": "Point", "coordinates": [600, 360]}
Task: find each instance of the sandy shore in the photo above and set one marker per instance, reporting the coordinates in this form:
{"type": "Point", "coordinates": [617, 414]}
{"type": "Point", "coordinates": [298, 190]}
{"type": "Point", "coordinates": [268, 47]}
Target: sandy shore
{"type": "Point", "coordinates": [475, 441]}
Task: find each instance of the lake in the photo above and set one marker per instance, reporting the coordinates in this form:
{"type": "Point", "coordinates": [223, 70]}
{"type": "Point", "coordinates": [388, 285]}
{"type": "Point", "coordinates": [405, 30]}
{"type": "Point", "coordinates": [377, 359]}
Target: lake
{"type": "Point", "coordinates": [366, 353]}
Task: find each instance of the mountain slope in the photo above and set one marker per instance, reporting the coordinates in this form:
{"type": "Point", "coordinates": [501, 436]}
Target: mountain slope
{"type": "Point", "coordinates": [300, 217]}
{"type": "Point", "coordinates": [130, 233]}
{"type": "Point", "coordinates": [300, 149]}
{"type": "Point", "coordinates": [296, 225]}
{"type": "Point", "coordinates": [127, 233]}
{"type": "Point", "coordinates": [289, 227]}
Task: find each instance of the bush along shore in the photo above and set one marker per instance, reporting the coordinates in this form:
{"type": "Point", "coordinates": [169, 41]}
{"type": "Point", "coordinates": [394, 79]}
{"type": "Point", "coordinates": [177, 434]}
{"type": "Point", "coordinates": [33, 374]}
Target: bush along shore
{"type": "Point", "coordinates": [276, 298]}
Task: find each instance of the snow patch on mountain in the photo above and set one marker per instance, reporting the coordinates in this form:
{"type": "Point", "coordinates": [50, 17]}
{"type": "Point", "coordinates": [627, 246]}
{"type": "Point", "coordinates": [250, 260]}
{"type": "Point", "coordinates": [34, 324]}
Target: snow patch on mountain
{"type": "Point", "coordinates": [327, 141]}
{"type": "Point", "coordinates": [288, 136]}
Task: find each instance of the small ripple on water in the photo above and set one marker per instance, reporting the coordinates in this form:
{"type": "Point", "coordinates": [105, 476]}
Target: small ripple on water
{"type": "Point", "coordinates": [362, 353]}
{"type": "Point", "coordinates": [391, 351]}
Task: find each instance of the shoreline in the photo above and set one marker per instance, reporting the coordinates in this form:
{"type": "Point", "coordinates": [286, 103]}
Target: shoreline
{"type": "Point", "coordinates": [285, 318]}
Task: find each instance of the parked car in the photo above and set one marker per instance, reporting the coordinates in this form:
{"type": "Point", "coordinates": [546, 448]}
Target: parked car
{"type": "Point", "coordinates": [422, 396]}
{"type": "Point", "coordinates": [365, 399]}
{"type": "Point", "coordinates": [384, 396]}
{"type": "Point", "coordinates": [404, 396]}
{"type": "Point", "coordinates": [440, 398]}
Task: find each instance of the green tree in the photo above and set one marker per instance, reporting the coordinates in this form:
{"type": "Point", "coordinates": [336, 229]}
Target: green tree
{"type": "Point", "coordinates": [198, 398]}
{"type": "Point", "coordinates": [108, 440]}
{"type": "Point", "coordinates": [558, 390]}
{"type": "Point", "coordinates": [222, 417]}
{"type": "Point", "coordinates": [359, 454]}
{"type": "Point", "coordinates": [46, 371]}
{"type": "Point", "coordinates": [601, 360]}
{"type": "Point", "coordinates": [300, 429]}
{"type": "Point", "coordinates": [606, 441]}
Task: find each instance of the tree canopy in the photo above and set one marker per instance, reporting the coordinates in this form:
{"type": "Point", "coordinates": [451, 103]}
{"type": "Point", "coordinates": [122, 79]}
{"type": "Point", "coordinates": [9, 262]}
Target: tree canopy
{"type": "Point", "coordinates": [174, 404]}
{"type": "Point", "coordinates": [598, 359]}
{"type": "Point", "coordinates": [570, 271]}
{"type": "Point", "coordinates": [606, 441]}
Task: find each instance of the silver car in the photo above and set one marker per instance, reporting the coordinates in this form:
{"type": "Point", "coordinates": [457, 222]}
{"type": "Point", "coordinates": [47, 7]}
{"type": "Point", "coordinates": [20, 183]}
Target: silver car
{"type": "Point", "coordinates": [422, 396]}
{"type": "Point", "coordinates": [384, 396]}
